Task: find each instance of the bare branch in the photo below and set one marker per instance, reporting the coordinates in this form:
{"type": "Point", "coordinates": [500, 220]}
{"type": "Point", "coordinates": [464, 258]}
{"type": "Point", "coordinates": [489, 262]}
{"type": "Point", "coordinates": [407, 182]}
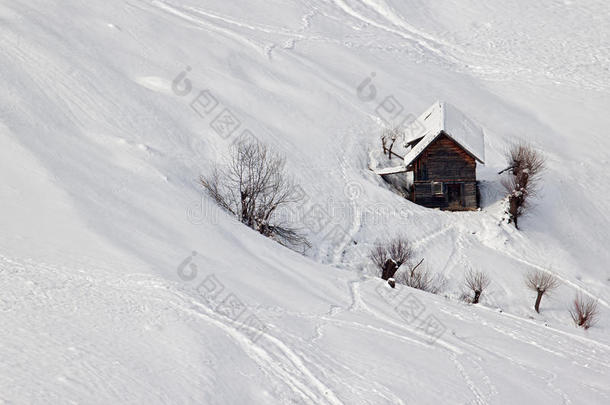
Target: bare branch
{"type": "Point", "coordinates": [541, 281]}
{"type": "Point", "coordinates": [400, 250]}
{"type": "Point", "coordinates": [507, 169]}
{"type": "Point", "coordinates": [389, 136]}
{"type": "Point", "coordinates": [412, 270]}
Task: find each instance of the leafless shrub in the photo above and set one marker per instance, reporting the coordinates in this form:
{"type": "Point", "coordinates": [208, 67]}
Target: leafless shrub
{"type": "Point", "coordinates": [525, 165]}
{"type": "Point", "coordinates": [584, 311]}
{"type": "Point", "coordinates": [253, 187]}
{"type": "Point", "coordinates": [389, 136]}
{"type": "Point", "coordinates": [477, 282]}
{"type": "Point", "coordinates": [422, 278]}
{"type": "Point", "coordinates": [541, 282]}
{"type": "Point", "coordinates": [465, 296]}
{"type": "Point", "coordinates": [389, 256]}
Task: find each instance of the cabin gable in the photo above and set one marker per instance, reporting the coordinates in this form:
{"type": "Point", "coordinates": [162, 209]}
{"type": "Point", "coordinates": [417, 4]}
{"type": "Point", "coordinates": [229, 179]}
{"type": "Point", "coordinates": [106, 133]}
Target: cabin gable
{"type": "Point", "coordinates": [444, 160]}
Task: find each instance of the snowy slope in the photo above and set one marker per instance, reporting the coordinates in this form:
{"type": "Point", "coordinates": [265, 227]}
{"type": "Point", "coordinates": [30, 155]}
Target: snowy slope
{"type": "Point", "coordinates": [99, 156]}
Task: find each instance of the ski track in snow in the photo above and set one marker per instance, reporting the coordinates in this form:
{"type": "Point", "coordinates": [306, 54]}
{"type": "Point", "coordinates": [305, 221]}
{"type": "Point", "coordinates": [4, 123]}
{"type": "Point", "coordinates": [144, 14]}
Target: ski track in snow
{"type": "Point", "coordinates": [342, 374]}
{"type": "Point", "coordinates": [298, 383]}
{"type": "Point", "coordinates": [275, 357]}
{"type": "Point", "coordinates": [534, 374]}
{"type": "Point", "coordinates": [184, 15]}
{"type": "Point", "coordinates": [384, 17]}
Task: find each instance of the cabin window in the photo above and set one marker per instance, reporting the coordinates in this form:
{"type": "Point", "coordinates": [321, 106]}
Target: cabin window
{"type": "Point", "coordinates": [437, 188]}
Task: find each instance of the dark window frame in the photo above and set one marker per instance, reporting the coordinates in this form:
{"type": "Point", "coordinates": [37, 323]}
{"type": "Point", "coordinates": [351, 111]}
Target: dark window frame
{"type": "Point", "coordinates": [437, 192]}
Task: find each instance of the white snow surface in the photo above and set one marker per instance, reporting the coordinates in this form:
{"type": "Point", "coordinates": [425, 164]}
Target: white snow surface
{"type": "Point", "coordinates": [391, 170]}
{"type": "Point", "coordinates": [121, 282]}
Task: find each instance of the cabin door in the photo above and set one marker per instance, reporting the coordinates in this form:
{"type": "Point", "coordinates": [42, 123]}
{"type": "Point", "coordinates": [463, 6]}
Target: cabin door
{"type": "Point", "coordinates": [454, 195]}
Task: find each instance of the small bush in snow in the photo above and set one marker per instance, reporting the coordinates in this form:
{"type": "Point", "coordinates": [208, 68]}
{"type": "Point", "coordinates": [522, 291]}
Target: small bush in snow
{"type": "Point", "coordinates": [584, 311]}
{"type": "Point", "coordinates": [477, 282]}
{"type": "Point", "coordinates": [254, 187]}
{"type": "Point", "coordinates": [389, 256]}
{"type": "Point", "coordinates": [525, 167]}
{"type": "Point", "coordinates": [422, 278]}
{"type": "Point", "coordinates": [541, 282]}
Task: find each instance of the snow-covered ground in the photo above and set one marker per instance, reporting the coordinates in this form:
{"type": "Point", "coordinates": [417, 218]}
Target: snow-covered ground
{"type": "Point", "coordinates": [107, 118]}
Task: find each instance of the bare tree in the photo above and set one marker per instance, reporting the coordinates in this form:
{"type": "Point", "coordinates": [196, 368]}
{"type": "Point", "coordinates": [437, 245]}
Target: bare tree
{"type": "Point", "coordinates": [584, 311]}
{"type": "Point", "coordinates": [390, 255]}
{"type": "Point", "coordinates": [254, 187]}
{"type": "Point", "coordinates": [541, 282]}
{"type": "Point", "coordinates": [477, 282]}
{"type": "Point", "coordinates": [525, 165]}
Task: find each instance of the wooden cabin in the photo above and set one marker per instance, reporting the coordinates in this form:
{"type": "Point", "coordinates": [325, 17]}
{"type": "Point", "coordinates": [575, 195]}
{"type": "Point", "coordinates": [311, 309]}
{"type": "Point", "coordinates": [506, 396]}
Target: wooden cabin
{"type": "Point", "coordinates": [441, 150]}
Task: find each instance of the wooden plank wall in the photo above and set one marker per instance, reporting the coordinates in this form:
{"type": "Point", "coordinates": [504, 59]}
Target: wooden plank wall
{"type": "Point", "coordinates": [445, 161]}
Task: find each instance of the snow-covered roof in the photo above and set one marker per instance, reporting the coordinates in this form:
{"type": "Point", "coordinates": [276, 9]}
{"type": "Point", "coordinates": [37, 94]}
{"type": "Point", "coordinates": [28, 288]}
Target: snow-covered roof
{"type": "Point", "coordinates": [443, 117]}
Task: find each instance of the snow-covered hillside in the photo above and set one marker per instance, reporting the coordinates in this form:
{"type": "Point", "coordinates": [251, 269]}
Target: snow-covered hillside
{"type": "Point", "coordinates": [121, 282]}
